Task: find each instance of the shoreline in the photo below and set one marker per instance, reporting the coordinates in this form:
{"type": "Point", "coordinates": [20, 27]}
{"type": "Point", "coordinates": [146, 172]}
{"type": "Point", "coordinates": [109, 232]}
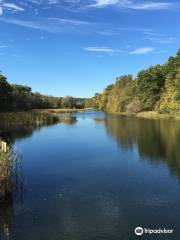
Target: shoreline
{"type": "Point", "coordinates": [146, 115]}
{"type": "Point", "coordinates": [61, 110]}
{"type": "Point", "coordinates": [150, 115]}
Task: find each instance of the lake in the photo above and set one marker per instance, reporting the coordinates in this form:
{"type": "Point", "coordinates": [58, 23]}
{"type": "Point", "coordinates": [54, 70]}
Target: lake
{"type": "Point", "coordinates": [96, 178]}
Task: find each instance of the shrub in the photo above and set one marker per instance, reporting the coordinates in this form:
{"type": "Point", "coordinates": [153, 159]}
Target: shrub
{"type": "Point", "coordinates": [134, 107]}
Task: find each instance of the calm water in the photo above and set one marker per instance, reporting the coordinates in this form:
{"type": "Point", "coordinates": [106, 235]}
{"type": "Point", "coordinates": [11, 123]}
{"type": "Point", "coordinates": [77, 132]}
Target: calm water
{"type": "Point", "coordinates": [96, 179]}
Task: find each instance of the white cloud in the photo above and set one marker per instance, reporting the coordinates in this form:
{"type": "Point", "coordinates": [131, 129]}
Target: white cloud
{"type": "Point", "coordinates": [79, 5]}
{"type": "Point", "coordinates": [99, 49]}
{"type": "Point", "coordinates": [138, 51]}
{"type": "Point", "coordinates": [131, 4]}
{"type": "Point", "coordinates": [143, 50]}
{"type": "Point", "coordinates": [104, 3]}
{"type": "Point", "coordinates": [152, 6]}
{"type": "Point", "coordinates": [12, 6]}
{"type": "Point", "coordinates": [1, 11]}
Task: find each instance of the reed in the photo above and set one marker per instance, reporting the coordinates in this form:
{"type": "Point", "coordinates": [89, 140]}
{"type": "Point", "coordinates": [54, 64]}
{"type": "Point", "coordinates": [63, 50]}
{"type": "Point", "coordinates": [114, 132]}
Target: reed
{"type": "Point", "coordinates": [10, 174]}
{"type": "Point", "coordinates": [19, 120]}
{"type": "Point", "coordinates": [12, 119]}
{"type": "Point", "coordinates": [62, 110]}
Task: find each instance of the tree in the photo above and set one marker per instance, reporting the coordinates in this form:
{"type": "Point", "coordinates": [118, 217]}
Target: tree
{"type": "Point", "coordinates": [177, 84]}
{"type": "Point", "coordinates": [21, 90]}
{"type": "Point", "coordinates": [22, 97]}
{"type": "Point", "coordinates": [168, 102]}
{"type": "Point", "coordinates": [124, 80]}
{"type": "Point", "coordinates": [171, 66]}
{"type": "Point", "coordinates": [5, 94]}
{"type": "Point", "coordinates": [149, 85]}
{"type": "Point", "coordinates": [68, 102]}
{"type": "Point", "coordinates": [121, 94]}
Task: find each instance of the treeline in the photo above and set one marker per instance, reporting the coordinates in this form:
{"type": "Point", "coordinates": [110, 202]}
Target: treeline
{"type": "Point", "coordinates": [15, 97]}
{"type": "Point", "coordinates": [154, 89]}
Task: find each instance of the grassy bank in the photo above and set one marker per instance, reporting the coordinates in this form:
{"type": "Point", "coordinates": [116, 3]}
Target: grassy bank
{"type": "Point", "coordinates": [151, 115]}
{"type": "Point", "coordinates": [34, 119]}
{"type": "Point", "coordinates": [156, 115]}
{"type": "Point", "coordinates": [60, 110]}
{"type": "Point", "coordinates": [27, 118]}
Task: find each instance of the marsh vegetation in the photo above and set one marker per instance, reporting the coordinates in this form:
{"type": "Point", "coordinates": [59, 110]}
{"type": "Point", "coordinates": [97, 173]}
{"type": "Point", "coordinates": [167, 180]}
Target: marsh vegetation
{"type": "Point", "coordinates": [10, 172]}
{"type": "Point", "coordinates": [16, 126]}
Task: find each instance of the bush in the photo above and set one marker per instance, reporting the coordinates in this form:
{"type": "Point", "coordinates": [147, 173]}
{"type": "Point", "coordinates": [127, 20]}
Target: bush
{"type": "Point", "coordinates": [134, 107]}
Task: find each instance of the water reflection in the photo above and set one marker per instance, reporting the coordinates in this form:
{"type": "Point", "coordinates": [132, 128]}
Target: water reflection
{"type": "Point", "coordinates": [156, 140]}
{"type": "Point", "coordinates": [9, 158]}
{"type": "Point", "coordinates": [11, 186]}
{"type": "Point", "coordinates": [11, 181]}
{"type": "Point", "coordinates": [10, 134]}
{"type": "Point", "coordinates": [93, 196]}
{"type": "Point", "coordinates": [6, 220]}
{"type": "Point", "coordinates": [69, 119]}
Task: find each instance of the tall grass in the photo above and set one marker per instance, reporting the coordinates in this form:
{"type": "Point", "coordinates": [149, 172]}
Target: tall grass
{"type": "Point", "coordinates": [10, 174]}
{"type": "Point", "coordinates": [14, 120]}
{"type": "Point", "coordinates": [11, 119]}
{"type": "Point", "coordinates": [14, 125]}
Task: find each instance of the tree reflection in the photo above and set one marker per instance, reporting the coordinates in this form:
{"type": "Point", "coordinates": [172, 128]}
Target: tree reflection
{"type": "Point", "coordinates": [156, 140]}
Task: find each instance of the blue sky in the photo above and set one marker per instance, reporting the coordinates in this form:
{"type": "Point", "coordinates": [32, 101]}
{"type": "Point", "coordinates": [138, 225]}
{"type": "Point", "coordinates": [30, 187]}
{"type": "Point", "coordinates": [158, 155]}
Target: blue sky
{"type": "Point", "coordinates": [77, 47]}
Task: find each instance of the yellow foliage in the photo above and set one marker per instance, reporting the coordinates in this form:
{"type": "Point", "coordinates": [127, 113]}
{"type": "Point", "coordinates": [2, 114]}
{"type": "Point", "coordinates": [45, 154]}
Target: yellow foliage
{"type": "Point", "coordinates": [168, 102]}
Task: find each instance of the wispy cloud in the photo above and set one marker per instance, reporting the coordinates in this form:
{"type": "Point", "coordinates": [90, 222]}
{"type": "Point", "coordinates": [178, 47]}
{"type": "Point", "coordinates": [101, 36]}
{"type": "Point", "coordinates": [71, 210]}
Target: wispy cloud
{"type": "Point", "coordinates": [12, 6]}
{"type": "Point", "coordinates": [152, 6]}
{"type": "Point", "coordinates": [3, 46]}
{"type": "Point", "coordinates": [74, 5]}
{"type": "Point", "coordinates": [143, 50]}
{"type": "Point", "coordinates": [99, 49]}
{"type": "Point", "coordinates": [104, 3]}
{"type": "Point", "coordinates": [160, 38]}
{"type": "Point", "coordinates": [28, 24]}
{"type": "Point", "coordinates": [70, 21]}
{"type": "Point", "coordinates": [132, 4]}
{"type": "Point", "coordinates": [58, 25]}
{"type": "Point", "coordinates": [53, 25]}
{"type": "Point", "coordinates": [123, 50]}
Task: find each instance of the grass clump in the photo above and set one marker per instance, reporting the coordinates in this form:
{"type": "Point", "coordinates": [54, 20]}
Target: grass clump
{"type": "Point", "coordinates": [10, 174]}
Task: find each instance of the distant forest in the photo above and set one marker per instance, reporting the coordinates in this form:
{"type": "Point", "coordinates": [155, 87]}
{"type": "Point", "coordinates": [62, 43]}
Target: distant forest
{"type": "Point", "coordinates": [154, 89]}
{"type": "Point", "coordinates": [15, 97]}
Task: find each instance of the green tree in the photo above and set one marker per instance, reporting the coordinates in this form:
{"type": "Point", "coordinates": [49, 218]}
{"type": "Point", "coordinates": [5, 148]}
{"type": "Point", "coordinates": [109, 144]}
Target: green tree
{"type": "Point", "coordinates": [149, 86]}
{"type": "Point", "coordinates": [177, 84]}
{"type": "Point", "coordinates": [171, 66]}
{"type": "Point", "coordinates": [68, 102]}
{"type": "Point", "coordinates": [5, 94]}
